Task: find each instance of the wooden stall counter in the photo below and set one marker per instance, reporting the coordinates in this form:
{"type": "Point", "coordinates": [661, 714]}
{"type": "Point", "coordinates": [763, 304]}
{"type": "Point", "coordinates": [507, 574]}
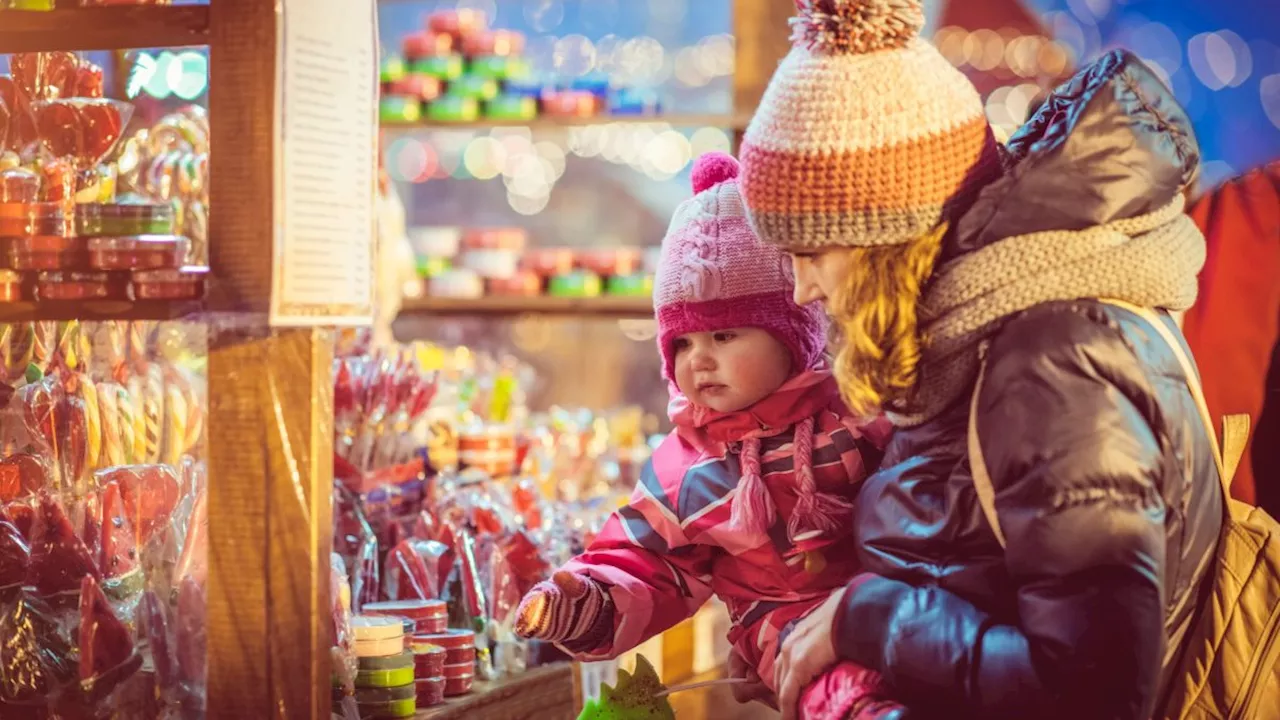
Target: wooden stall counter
{"type": "Point", "coordinates": [543, 693]}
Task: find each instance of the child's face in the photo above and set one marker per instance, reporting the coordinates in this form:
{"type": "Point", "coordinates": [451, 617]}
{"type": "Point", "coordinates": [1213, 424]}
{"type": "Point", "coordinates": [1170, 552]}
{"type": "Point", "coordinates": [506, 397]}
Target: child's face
{"type": "Point", "coordinates": [729, 370]}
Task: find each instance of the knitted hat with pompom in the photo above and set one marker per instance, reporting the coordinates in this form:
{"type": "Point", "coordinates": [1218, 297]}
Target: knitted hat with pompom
{"type": "Point", "coordinates": [715, 274]}
{"type": "Point", "coordinates": [866, 135]}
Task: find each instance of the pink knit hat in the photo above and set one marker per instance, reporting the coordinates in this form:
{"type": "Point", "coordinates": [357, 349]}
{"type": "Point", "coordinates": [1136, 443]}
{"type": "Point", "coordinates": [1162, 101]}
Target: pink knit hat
{"type": "Point", "coordinates": [715, 273]}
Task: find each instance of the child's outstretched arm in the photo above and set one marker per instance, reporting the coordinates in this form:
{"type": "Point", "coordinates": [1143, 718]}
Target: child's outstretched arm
{"type": "Point", "coordinates": [639, 577]}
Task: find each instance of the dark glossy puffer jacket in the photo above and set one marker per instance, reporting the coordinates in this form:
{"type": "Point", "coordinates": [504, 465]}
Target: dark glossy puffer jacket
{"type": "Point", "coordinates": [1107, 488]}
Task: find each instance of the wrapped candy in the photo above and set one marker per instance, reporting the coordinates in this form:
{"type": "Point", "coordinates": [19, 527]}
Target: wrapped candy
{"type": "Point", "coordinates": [22, 475]}
{"type": "Point", "coordinates": [118, 556]}
{"type": "Point", "coordinates": [59, 558]}
{"type": "Point", "coordinates": [192, 641]}
{"type": "Point", "coordinates": [35, 660]}
{"type": "Point", "coordinates": [407, 576]}
{"type": "Point", "coordinates": [193, 563]}
{"type": "Point", "coordinates": [15, 557]}
{"type": "Point", "coordinates": [344, 652]}
{"type": "Point", "coordinates": [72, 447]}
{"type": "Point", "coordinates": [150, 494]}
{"type": "Point", "coordinates": [107, 655]}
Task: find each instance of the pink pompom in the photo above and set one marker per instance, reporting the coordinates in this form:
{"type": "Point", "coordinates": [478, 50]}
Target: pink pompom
{"type": "Point", "coordinates": [712, 169]}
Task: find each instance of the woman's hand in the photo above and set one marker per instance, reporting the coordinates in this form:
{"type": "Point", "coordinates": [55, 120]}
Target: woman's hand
{"type": "Point", "coordinates": [806, 653]}
{"type": "Point", "coordinates": [754, 688]}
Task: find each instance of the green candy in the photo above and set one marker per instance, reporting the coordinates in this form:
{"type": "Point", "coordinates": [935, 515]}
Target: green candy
{"type": "Point", "coordinates": [635, 697]}
{"type": "Point", "coordinates": [511, 107]}
{"type": "Point", "coordinates": [34, 373]}
{"type": "Point", "coordinates": [445, 67]}
{"type": "Point", "coordinates": [474, 86]}
{"type": "Point", "coordinates": [397, 109]}
{"type": "Point", "coordinates": [393, 69]}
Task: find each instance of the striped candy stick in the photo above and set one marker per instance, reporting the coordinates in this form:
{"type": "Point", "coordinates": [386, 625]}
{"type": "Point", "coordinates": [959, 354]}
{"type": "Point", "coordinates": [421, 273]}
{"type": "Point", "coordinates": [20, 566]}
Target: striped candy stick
{"type": "Point", "coordinates": [128, 417]}
{"type": "Point", "coordinates": [175, 422]}
{"type": "Point", "coordinates": [93, 420]}
{"type": "Point", "coordinates": [112, 448]}
{"type": "Point", "coordinates": [153, 414]}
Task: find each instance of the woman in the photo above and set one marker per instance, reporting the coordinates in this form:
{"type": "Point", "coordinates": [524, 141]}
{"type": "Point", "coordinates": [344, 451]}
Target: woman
{"type": "Point", "coordinates": [939, 254]}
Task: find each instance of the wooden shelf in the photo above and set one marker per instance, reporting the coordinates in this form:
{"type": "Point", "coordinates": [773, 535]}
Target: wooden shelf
{"type": "Point", "coordinates": [97, 310]}
{"type": "Point", "coordinates": [120, 27]}
{"type": "Point", "coordinates": [543, 693]}
{"type": "Point", "coordinates": [605, 306]}
{"type": "Point", "coordinates": [727, 122]}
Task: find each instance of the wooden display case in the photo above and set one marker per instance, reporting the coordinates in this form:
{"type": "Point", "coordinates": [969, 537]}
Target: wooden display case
{"type": "Point", "coordinates": [270, 416]}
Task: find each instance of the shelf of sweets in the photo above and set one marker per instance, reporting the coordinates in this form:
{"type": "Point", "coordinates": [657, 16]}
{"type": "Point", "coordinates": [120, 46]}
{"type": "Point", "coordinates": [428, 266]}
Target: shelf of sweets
{"type": "Point", "coordinates": [94, 310]}
{"type": "Point", "coordinates": [458, 72]}
{"type": "Point", "coordinates": [607, 306]}
{"type": "Point", "coordinates": [118, 27]}
{"type": "Point", "coordinates": [78, 225]}
{"type": "Point", "coordinates": [542, 693]}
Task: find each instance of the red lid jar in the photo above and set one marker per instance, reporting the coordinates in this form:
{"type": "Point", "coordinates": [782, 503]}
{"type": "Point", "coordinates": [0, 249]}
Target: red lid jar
{"type": "Point", "coordinates": [187, 283]}
{"type": "Point", "coordinates": [60, 285]}
{"type": "Point", "coordinates": [140, 252]}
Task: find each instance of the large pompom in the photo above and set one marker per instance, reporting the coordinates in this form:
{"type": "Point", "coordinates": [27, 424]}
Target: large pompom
{"type": "Point", "coordinates": [712, 169]}
{"type": "Point", "coordinates": [855, 27]}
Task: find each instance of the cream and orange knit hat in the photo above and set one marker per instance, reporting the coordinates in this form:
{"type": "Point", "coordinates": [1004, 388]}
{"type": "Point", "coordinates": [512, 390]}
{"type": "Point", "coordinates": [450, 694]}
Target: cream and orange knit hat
{"type": "Point", "coordinates": [866, 135]}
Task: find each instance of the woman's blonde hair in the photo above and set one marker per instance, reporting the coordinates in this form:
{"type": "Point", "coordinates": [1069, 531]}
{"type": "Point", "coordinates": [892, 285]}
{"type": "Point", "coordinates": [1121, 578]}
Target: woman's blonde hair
{"type": "Point", "coordinates": [875, 320]}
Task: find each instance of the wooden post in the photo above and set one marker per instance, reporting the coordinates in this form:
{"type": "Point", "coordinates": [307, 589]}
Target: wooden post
{"type": "Point", "coordinates": [271, 413]}
{"type": "Point", "coordinates": [761, 36]}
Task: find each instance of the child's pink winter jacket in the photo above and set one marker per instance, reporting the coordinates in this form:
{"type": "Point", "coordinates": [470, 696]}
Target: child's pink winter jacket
{"type": "Point", "coordinates": [664, 554]}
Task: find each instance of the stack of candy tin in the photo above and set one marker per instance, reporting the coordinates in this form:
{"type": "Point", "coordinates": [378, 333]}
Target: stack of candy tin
{"type": "Point", "coordinates": [433, 677]}
{"type": "Point", "coordinates": [452, 654]}
{"type": "Point", "coordinates": [385, 685]}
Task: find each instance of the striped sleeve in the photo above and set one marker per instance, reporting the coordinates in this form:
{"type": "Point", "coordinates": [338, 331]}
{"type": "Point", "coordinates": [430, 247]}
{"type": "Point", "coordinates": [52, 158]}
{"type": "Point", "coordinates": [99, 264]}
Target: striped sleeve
{"type": "Point", "coordinates": [655, 577]}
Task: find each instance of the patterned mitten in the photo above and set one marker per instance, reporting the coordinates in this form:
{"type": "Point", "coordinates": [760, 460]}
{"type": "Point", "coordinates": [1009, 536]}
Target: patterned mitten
{"type": "Point", "coordinates": [568, 609]}
{"type": "Point", "coordinates": [849, 691]}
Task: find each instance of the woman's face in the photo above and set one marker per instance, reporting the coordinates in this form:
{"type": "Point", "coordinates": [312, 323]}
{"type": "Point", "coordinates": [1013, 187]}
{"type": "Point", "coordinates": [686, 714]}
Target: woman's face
{"type": "Point", "coordinates": [820, 273]}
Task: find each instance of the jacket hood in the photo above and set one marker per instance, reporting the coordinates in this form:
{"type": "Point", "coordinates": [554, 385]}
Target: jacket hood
{"type": "Point", "coordinates": [1110, 143]}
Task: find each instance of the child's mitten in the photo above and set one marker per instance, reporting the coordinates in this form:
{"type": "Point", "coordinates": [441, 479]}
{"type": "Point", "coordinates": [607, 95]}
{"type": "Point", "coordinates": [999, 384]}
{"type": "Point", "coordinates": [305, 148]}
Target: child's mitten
{"type": "Point", "coordinates": [568, 608]}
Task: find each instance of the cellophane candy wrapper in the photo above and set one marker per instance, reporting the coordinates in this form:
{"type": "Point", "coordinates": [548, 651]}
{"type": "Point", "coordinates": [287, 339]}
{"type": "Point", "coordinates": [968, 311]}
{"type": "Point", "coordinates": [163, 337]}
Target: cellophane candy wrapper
{"type": "Point", "coordinates": [102, 520]}
{"type": "Point", "coordinates": [345, 663]}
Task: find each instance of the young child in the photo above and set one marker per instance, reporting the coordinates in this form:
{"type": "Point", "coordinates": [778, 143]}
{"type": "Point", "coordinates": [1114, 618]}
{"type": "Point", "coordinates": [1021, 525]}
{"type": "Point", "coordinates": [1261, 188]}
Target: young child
{"type": "Point", "coordinates": [750, 497]}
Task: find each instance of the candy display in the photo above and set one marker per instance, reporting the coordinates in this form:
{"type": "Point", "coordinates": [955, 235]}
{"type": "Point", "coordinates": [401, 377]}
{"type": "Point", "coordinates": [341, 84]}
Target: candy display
{"type": "Point", "coordinates": [64, 220]}
{"type": "Point", "coordinates": [498, 261]}
{"type": "Point", "coordinates": [164, 183]}
{"type": "Point", "coordinates": [478, 72]}
{"type": "Point", "coordinates": [108, 554]}
{"type": "Point", "coordinates": [498, 496]}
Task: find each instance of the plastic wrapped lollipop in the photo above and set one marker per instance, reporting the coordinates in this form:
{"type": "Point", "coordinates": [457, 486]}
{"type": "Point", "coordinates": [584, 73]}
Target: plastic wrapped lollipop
{"type": "Point", "coordinates": [344, 406]}
{"type": "Point", "coordinates": [72, 450]}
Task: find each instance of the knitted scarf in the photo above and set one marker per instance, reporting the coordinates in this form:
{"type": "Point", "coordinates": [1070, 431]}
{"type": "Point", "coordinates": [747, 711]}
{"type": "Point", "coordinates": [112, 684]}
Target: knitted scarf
{"type": "Point", "coordinates": [793, 405]}
{"type": "Point", "coordinates": [1151, 260]}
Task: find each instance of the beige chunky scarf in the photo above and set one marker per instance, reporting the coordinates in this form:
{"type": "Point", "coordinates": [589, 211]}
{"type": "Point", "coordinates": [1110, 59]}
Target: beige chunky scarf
{"type": "Point", "coordinates": [1151, 260]}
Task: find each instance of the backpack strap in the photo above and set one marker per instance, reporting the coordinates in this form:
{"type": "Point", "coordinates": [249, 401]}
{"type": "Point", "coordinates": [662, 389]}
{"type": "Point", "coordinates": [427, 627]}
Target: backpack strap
{"type": "Point", "coordinates": [1227, 456]}
{"type": "Point", "coordinates": [982, 486]}
{"type": "Point", "coordinates": [1235, 428]}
